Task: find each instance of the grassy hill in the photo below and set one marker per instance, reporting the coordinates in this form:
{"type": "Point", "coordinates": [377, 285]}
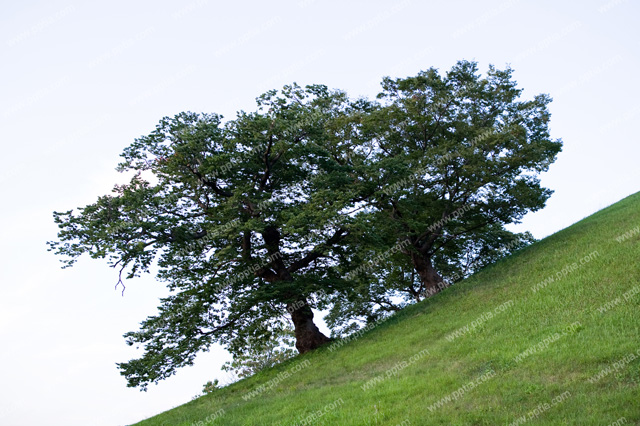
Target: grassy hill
{"type": "Point", "coordinates": [550, 335]}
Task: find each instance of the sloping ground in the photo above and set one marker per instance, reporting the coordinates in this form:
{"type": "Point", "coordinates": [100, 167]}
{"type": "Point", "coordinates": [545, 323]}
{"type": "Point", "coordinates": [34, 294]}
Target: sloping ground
{"type": "Point", "coordinates": [550, 335]}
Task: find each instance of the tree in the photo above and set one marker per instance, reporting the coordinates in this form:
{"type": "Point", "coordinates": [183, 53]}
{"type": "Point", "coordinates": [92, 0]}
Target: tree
{"type": "Point", "coordinates": [316, 201]}
{"type": "Point", "coordinates": [458, 159]}
{"type": "Point", "coordinates": [263, 354]}
{"type": "Point", "coordinates": [246, 221]}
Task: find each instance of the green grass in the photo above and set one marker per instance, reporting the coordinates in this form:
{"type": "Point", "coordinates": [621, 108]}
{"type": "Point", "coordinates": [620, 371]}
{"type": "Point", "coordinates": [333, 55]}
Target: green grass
{"type": "Point", "coordinates": [560, 367]}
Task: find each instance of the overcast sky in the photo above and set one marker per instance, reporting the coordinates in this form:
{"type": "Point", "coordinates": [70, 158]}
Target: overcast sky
{"type": "Point", "coordinates": [81, 80]}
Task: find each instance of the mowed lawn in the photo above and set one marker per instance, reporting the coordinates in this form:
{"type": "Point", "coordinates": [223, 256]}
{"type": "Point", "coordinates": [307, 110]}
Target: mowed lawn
{"type": "Point", "coordinates": [550, 335]}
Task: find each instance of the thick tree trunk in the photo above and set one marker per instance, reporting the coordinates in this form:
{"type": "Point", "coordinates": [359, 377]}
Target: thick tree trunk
{"type": "Point", "coordinates": [432, 282]}
{"type": "Point", "coordinates": [308, 336]}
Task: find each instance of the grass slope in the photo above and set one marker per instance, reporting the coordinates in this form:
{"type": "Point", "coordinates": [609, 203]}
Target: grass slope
{"type": "Point", "coordinates": [550, 335]}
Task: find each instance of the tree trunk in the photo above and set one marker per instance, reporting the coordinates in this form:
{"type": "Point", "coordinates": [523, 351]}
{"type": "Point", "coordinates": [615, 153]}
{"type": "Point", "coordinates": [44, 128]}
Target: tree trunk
{"type": "Point", "coordinates": [432, 282]}
{"type": "Point", "coordinates": [308, 336]}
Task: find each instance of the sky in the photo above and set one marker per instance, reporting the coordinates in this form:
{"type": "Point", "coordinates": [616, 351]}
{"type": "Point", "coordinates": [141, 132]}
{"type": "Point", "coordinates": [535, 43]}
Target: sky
{"type": "Point", "coordinates": [80, 80]}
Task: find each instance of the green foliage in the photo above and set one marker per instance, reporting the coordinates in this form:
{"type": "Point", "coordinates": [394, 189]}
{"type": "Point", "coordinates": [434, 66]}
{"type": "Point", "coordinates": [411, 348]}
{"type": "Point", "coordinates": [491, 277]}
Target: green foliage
{"type": "Point", "coordinates": [307, 201]}
{"type": "Point", "coordinates": [457, 158]}
{"type": "Point", "coordinates": [210, 387]}
{"type": "Point", "coordinates": [262, 354]}
{"type": "Point", "coordinates": [243, 219]}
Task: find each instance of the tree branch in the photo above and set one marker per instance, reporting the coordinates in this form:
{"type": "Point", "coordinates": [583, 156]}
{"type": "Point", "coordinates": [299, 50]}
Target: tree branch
{"type": "Point", "coordinates": [317, 251]}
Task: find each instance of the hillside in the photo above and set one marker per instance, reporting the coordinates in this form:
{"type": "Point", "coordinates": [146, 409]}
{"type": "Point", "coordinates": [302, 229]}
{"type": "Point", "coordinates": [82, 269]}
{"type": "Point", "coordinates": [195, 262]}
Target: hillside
{"type": "Point", "coordinates": [550, 335]}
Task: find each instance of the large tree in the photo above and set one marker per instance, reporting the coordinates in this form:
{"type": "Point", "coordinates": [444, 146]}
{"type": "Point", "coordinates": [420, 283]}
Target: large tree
{"type": "Point", "coordinates": [315, 201]}
{"type": "Point", "coordinates": [459, 157]}
{"type": "Point", "coordinates": [245, 220]}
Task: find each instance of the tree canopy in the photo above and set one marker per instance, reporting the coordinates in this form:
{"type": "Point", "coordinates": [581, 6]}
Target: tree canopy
{"type": "Point", "coordinates": [458, 158]}
{"type": "Point", "coordinates": [315, 201]}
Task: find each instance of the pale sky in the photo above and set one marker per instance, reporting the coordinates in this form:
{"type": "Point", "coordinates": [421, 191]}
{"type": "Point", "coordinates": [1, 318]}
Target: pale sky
{"type": "Point", "coordinates": [81, 80]}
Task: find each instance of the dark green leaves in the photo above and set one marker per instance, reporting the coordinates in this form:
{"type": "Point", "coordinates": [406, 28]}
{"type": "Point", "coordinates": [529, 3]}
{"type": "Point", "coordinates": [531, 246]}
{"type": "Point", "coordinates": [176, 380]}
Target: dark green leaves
{"type": "Point", "coordinates": [315, 199]}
